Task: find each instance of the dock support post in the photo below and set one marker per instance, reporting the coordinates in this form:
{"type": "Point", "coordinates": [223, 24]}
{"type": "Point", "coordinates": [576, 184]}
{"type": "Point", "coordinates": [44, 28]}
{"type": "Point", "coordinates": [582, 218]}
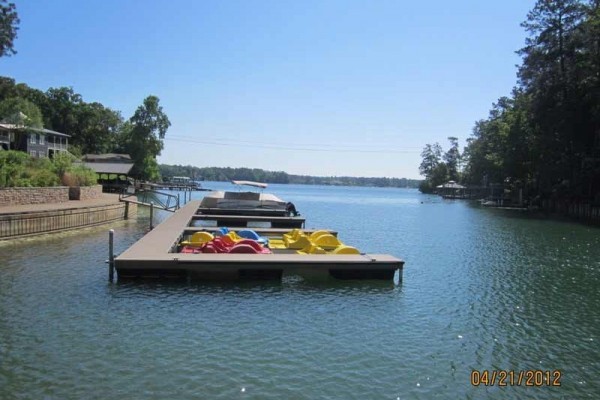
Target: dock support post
{"type": "Point", "coordinates": [151, 215]}
{"type": "Point", "coordinates": [111, 255]}
{"type": "Point", "coordinates": [126, 210]}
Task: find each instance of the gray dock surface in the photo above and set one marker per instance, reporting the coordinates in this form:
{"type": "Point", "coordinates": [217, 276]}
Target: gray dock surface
{"type": "Point", "coordinates": [154, 256]}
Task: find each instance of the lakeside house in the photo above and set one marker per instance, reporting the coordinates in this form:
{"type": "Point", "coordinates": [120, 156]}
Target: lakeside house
{"type": "Point", "coordinates": [38, 142]}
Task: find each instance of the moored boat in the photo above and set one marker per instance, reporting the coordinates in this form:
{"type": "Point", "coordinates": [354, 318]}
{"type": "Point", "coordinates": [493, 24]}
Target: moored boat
{"type": "Point", "coordinates": [246, 202]}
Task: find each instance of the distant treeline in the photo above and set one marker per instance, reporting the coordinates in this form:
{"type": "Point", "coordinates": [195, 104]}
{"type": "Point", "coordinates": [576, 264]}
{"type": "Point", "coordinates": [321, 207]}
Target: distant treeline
{"type": "Point", "coordinates": [260, 175]}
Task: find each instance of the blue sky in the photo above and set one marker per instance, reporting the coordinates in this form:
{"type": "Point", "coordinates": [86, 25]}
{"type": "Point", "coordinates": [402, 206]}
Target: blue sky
{"type": "Point", "coordinates": [309, 87]}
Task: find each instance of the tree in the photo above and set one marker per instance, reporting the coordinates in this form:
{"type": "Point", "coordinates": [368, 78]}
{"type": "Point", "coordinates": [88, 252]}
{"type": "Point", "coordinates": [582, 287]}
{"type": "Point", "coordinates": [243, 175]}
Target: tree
{"type": "Point", "coordinates": [551, 73]}
{"type": "Point", "coordinates": [142, 138]}
{"type": "Point", "coordinates": [432, 166]}
{"type": "Point", "coordinates": [545, 138]}
{"type": "Point", "coordinates": [20, 112]}
{"type": "Point", "coordinates": [61, 111]}
{"type": "Point", "coordinates": [452, 158]}
{"type": "Point", "coordinates": [97, 127]}
{"type": "Point", "coordinates": [9, 21]}
{"type": "Point", "coordinates": [432, 156]}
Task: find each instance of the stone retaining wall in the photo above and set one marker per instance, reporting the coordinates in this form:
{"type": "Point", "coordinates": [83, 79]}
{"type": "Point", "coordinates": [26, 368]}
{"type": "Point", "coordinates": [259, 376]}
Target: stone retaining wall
{"type": "Point", "coordinates": [42, 195]}
{"type": "Point", "coordinates": [25, 195]}
{"type": "Point", "coordinates": [90, 192]}
{"type": "Point", "coordinates": [85, 192]}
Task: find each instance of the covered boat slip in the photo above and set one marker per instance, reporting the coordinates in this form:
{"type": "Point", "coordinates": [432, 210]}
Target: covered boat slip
{"type": "Point", "coordinates": [155, 256]}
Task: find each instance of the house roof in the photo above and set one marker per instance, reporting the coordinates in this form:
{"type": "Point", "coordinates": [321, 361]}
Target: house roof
{"type": "Point", "coordinates": [11, 127]}
{"type": "Point", "coordinates": [107, 157]}
{"type": "Point", "coordinates": [109, 167]}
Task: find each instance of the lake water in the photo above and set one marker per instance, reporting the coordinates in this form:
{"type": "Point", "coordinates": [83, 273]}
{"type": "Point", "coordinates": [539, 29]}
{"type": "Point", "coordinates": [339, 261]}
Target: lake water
{"type": "Point", "coordinates": [481, 289]}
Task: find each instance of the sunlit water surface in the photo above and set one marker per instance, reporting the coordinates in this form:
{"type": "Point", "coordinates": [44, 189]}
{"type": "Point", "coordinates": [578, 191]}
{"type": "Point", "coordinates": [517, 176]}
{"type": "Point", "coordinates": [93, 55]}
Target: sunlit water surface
{"type": "Point", "coordinates": [481, 289]}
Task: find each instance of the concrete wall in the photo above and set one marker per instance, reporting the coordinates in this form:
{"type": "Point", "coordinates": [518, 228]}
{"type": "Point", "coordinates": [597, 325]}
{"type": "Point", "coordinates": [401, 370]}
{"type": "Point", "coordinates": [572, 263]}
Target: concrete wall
{"type": "Point", "coordinates": [43, 195]}
{"type": "Point", "coordinates": [35, 223]}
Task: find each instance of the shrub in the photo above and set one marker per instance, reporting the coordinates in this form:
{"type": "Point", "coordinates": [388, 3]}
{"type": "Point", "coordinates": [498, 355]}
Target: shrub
{"type": "Point", "coordinates": [62, 162]}
{"type": "Point", "coordinates": [19, 169]}
{"type": "Point", "coordinates": [79, 176]}
{"type": "Point", "coordinates": [43, 178]}
{"type": "Point", "coordinates": [13, 168]}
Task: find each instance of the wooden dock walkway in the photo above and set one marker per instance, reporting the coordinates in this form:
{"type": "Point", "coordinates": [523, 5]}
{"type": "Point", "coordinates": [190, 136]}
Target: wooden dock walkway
{"type": "Point", "coordinates": [155, 255]}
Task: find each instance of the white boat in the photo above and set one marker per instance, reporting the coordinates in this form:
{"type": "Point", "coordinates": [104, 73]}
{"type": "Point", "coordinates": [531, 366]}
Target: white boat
{"type": "Point", "coordinates": [246, 202]}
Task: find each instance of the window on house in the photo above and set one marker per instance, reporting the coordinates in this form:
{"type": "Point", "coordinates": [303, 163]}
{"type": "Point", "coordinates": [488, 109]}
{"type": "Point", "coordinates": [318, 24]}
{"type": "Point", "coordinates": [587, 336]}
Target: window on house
{"type": "Point", "coordinates": [37, 136]}
{"type": "Point", "coordinates": [32, 138]}
{"type": "Point", "coordinates": [42, 139]}
{"type": "Point", "coordinates": [32, 153]}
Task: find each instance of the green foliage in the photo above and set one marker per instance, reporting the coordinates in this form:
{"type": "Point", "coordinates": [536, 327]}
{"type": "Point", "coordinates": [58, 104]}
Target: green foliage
{"type": "Point", "coordinates": [42, 178]}
{"type": "Point", "coordinates": [426, 186]}
{"type": "Point", "coordinates": [435, 170]}
{"type": "Point", "coordinates": [18, 169]}
{"type": "Point", "coordinates": [544, 137]}
{"type": "Point", "coordinates": [97, 128]}
{"type": "Point", "coordinates": [9, 21]}
{"type": "Point", "coordinates": [452, 158]}
{"type": "Point", "coordinates": [62, 162]}
{"type": "Point", "coordinates": [79, 175]}
{"type": "Point", "coordinates": [19, 111]}
{"type": "Point", "coordinates": [61, 112]}
{"type": "Point", "coordinates": [142, 138]}
{"type": "Point", "coordinates": [13, 167]}
{"type": "Point", "coordinates": [432, 155]}
{"type": "Point", "coordinates": [94, 128]}
{"type": "Point", "coordinates": [150, 168]}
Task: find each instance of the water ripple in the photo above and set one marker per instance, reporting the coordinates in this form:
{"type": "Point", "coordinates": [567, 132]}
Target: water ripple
{"type": "Point", "coordinates": [481, 290]}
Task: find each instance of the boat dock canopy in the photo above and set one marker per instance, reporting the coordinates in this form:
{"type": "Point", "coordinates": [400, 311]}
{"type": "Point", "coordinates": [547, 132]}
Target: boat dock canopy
{"type": "Point", "coordinates": [250, 183]}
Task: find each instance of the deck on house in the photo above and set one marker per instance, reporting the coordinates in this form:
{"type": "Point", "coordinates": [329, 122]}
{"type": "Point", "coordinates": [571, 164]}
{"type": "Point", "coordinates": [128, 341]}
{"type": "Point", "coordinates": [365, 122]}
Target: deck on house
{"type": "Point", "coordinates": [155, 255]}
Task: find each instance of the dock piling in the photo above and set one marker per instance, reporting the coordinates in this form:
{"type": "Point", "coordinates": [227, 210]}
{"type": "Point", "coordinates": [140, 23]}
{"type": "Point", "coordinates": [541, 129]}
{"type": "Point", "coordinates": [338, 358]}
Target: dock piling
{"type": "Point", "coordinates": [111, 255]}
{"type": "Point", "coordinates": [152, 214]}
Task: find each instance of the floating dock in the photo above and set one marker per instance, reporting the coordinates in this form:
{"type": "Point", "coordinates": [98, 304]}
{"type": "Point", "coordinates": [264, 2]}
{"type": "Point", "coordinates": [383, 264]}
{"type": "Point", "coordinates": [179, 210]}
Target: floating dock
{"type": "Point", "coordinates": [155, 255]}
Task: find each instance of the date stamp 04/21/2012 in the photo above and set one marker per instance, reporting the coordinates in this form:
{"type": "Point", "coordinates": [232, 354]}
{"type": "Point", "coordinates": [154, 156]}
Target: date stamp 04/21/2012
{"type": "Point", "coordinates": [505, 377]}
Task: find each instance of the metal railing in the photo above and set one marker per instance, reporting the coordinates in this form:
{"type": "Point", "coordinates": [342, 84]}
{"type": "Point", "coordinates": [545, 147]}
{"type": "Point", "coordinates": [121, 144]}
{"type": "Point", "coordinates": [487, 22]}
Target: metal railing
{"type": "Point", "coordinates": [165, 201]}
